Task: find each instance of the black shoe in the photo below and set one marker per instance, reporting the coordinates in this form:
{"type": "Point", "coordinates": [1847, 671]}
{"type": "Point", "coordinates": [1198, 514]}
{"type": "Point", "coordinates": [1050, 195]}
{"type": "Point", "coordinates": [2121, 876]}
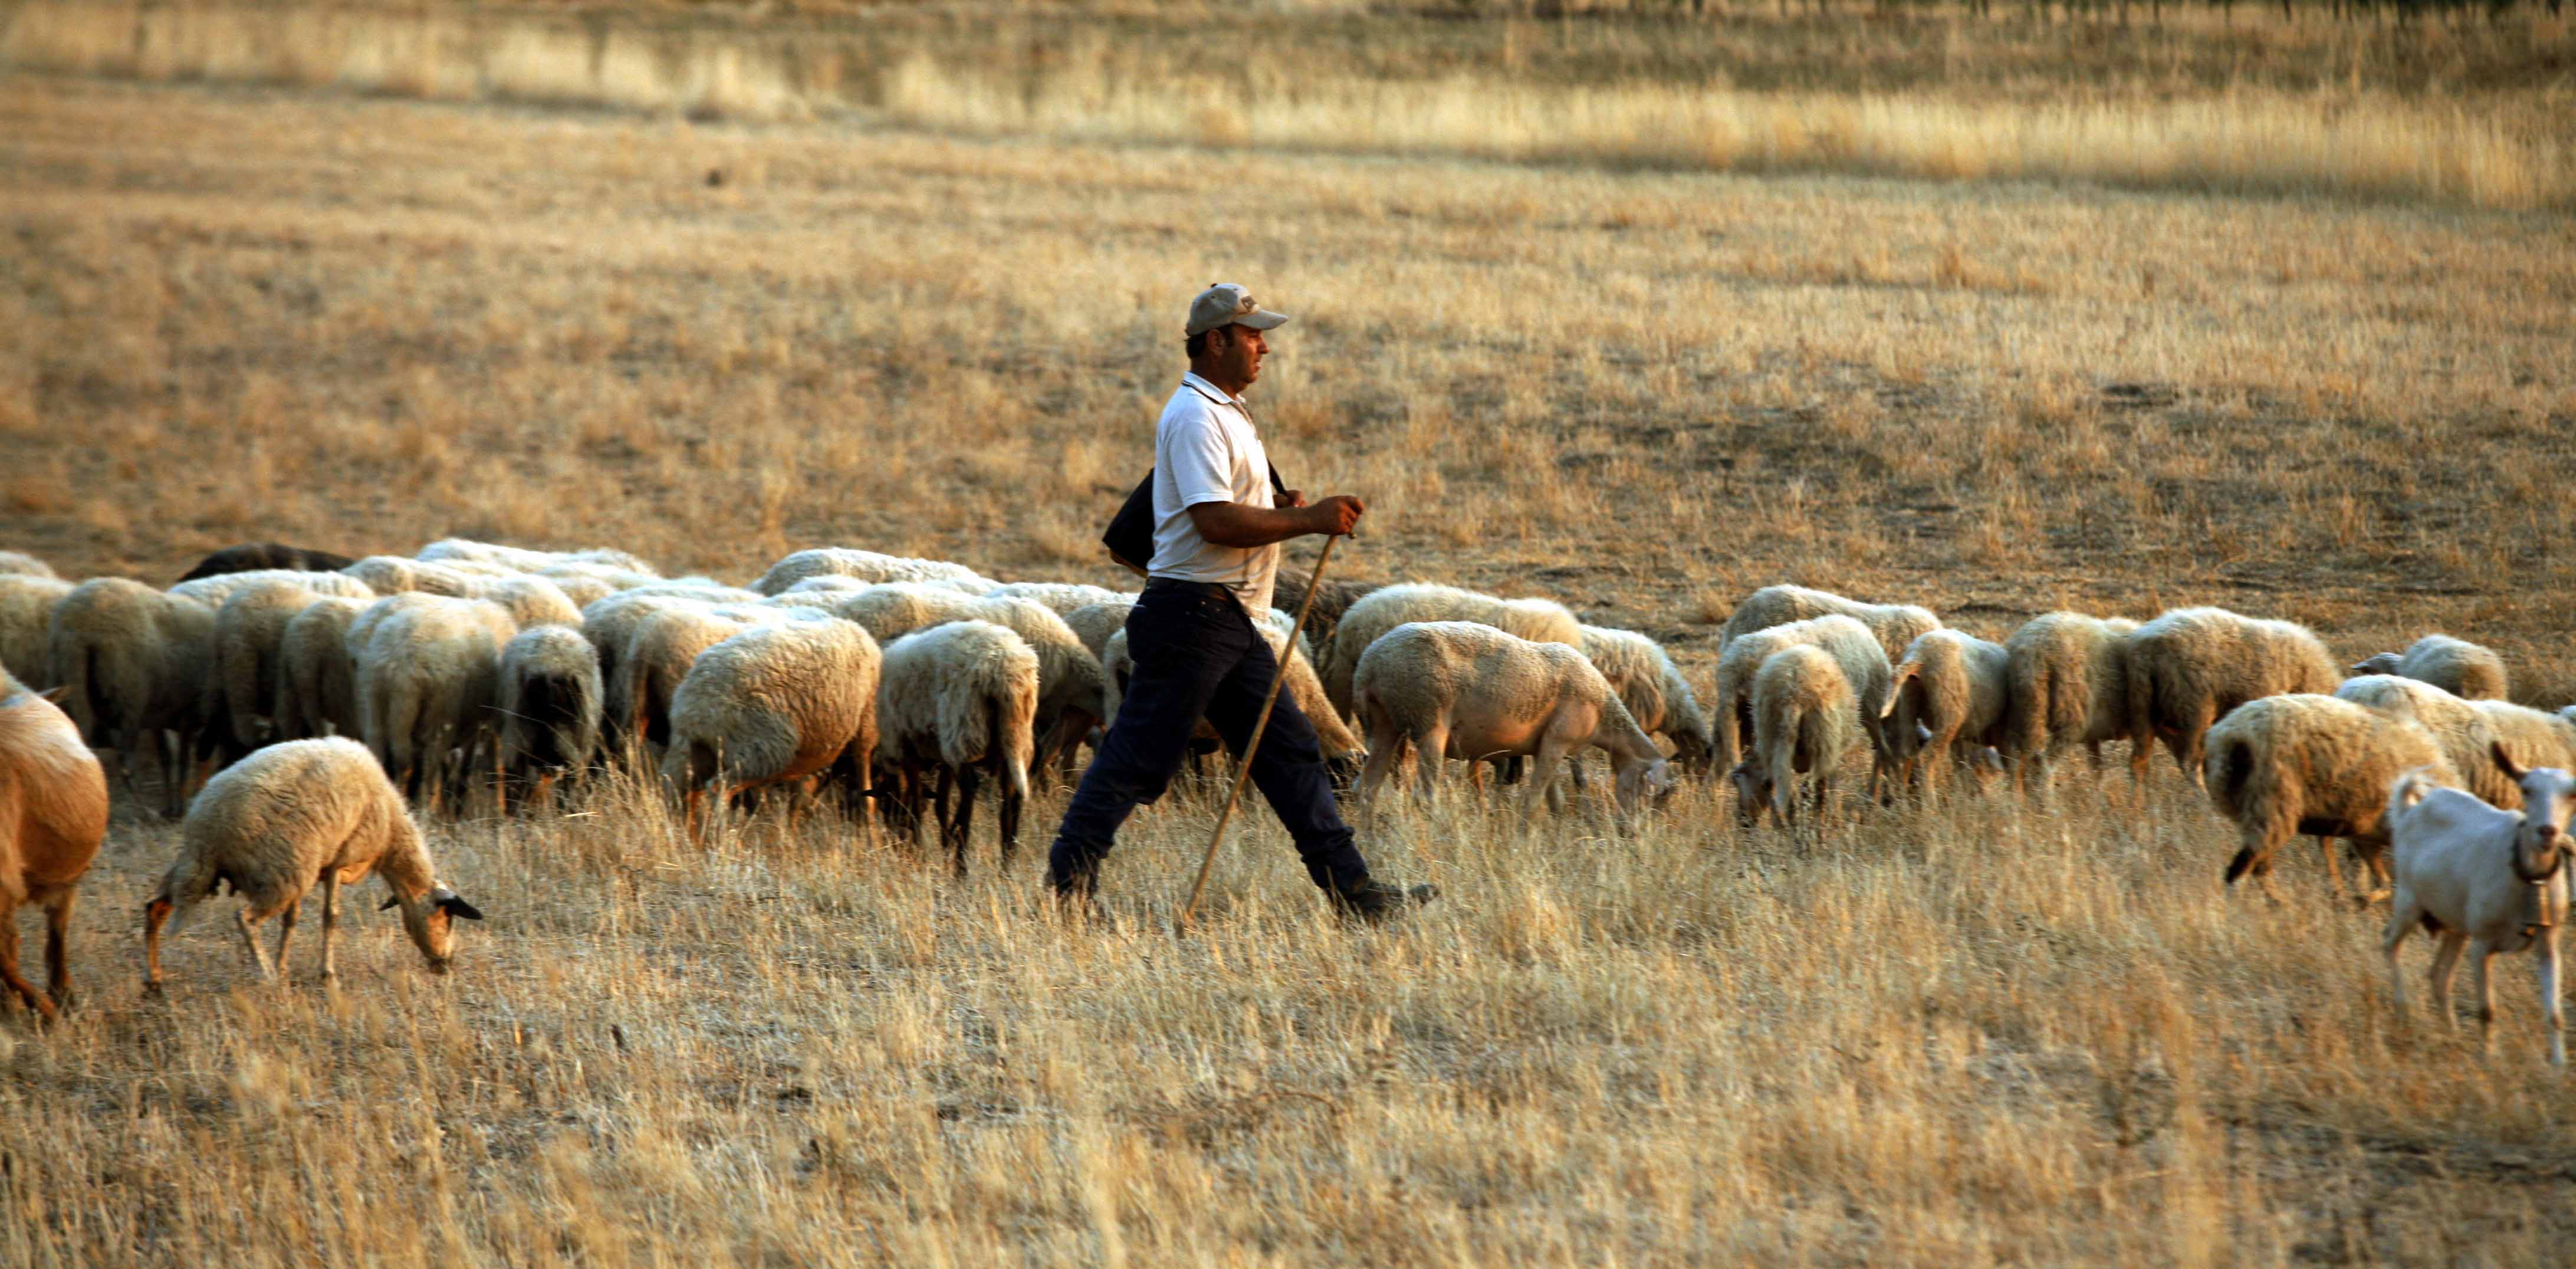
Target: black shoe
{"type": "Point", "coordinates": [1077, 898]}
{"type": "Point", "coordinates": [1377, 902]}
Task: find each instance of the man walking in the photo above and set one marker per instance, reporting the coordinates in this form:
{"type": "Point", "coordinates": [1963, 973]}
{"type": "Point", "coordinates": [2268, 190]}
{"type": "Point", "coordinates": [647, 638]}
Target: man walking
{"type": "Point", "coordinates": [1216, 548]}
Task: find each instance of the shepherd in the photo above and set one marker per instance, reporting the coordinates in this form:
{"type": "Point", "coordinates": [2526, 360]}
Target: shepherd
{"type": "Point", "coordinates": [1216, 529]}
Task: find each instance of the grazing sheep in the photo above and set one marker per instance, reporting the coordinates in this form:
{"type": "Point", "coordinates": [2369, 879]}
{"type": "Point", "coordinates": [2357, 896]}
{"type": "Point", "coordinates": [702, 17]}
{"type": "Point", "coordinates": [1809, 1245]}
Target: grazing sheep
{"type": "Point", "coordinates": [1094, 623]}
{"type": "Point", "coordinates": [1383, 609]}
{"type": "Point", "coordinates": [394, 575]}
{"type": "Point", "coordinates": [285, 817]}
{"type": "Point", "coordinates": [550, 700]}
{"type": "Point", "coordinates": [1949, 695]}
{"type": "Point", "coordinates": [2482, 880]}
{"type": "Point", "coordinates": [1463, 689]}
{"type": "Point", "coordinates": [1654, 691]}
{"type": "Point", "coordinates": [2535, 737]}
{"type": "Point", "coordinates": [213, 591]}
{"type": "Point", "coordinates": [21, 564]}
{"type": "Point", "coordinates": [656, 658]}
{"type": "Point", "coordinates": [2279, 766]}
{"type": "Point", "coordinates": [1805, 719]}
{"type": "Point", "coordinates": [1060, 597]}
{"type": "Point", "coordinates": [428, 683]}
{"type": "Point", "coordinates": [699, 589]}
{"type": "Point", "coordinates": [521, 560]}
{"type": "Point", "coordinates": [26, 608]}
{"type": "Point", "coordinates": [133, 663]}
{"type": "Point", "coordinates": [250, 638]}
{"type": "Point", "coordinates": [260, 556]}
{"type": "Point", "coordinates": [532, 601]}
{"type": "Point", "coordinates": [2456, 666]}
{"type": "Point", "coordinates": [1854, 649]}
{"type": "Point", "coordinates": [53, 819]}
{"type": "Point", "coordinates": [864, 565]}
{"type": "Point", "coordinates": [773, 704]}
{"type": "Point", "coordinates": [317, 679]}
{"type": "Point", "coordinates": [581, 588]}
{"type": "Point", "coordinates": [2066, 681]}
{"type": "Point", "coordinates": [957, 702]}
{"type": "Point", "coordinates": [1335, 597]}
{"type": "Point", "coordinates": [2456, 725]}
{"type": "Point", "coordinates": [2191, 666]}
{"type": "Point", "coordinates": [1894, 625]}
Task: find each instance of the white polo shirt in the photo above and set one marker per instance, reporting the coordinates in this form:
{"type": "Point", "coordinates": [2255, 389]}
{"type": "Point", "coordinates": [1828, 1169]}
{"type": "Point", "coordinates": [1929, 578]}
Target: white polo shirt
{"type": "Point", "coordinates": [1206, 451]}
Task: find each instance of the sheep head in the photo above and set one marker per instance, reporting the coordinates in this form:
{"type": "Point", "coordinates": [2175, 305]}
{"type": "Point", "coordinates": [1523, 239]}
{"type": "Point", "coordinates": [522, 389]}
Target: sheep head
{"type": "Point", "coordinates": [2384, 663]}
{"type": "Point", "coordinates": [1751, 779]}
{"type": "Point", "coordinates": [1639, 781]}
{"type": "Point", "coordinates": [430, 919]}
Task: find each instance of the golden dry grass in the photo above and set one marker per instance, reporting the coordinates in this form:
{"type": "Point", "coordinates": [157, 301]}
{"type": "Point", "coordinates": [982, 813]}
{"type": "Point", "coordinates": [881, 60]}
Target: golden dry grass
{"type": "Point", "coordinates": [1978, 1033]}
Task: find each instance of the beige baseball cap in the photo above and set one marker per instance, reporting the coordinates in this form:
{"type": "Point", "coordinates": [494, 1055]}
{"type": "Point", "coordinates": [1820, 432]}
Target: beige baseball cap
{"type": "Point", "coordinates": [1227, 304]}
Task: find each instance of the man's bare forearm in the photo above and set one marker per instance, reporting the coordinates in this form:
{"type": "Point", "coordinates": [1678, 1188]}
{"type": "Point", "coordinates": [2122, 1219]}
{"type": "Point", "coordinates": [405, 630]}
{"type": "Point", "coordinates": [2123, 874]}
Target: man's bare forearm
{"type": "Point", "coordinates": [1237, 525]}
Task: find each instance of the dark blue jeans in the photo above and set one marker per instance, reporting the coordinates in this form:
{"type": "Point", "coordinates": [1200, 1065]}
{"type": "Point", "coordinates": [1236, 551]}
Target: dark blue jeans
{"type": "Point", "coordinates": [1197, 656]}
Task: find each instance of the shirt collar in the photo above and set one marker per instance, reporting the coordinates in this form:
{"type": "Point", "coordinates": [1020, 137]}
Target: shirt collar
{"type": "Point", "coordinates": [1190, 379]}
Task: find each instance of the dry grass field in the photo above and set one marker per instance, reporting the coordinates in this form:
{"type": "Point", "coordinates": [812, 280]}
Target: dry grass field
{"type": "Point", "coordinates": [259, 306]}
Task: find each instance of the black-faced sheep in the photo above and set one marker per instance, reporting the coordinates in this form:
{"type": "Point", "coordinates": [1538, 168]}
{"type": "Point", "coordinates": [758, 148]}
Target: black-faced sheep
{"type": "Point", "coordinates": [292, 814]}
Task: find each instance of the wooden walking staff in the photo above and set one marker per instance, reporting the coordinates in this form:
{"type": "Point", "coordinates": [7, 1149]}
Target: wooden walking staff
{"type": "Point", "coordinates": [1243, 769]}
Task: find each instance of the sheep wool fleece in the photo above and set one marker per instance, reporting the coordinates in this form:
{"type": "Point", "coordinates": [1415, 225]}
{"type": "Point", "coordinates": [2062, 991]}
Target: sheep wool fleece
{"type": "Point", "coordinates": [1197, 656]}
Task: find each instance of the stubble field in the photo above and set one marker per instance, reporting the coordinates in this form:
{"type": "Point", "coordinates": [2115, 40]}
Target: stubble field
{"type": "Point", "coordinates": [1984, 1031]}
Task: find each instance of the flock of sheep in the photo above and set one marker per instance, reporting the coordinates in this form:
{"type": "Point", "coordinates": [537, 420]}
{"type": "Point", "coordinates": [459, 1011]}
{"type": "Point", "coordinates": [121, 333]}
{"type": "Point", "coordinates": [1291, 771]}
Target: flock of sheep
{"type": "Point", "coordinates": [899, 687]}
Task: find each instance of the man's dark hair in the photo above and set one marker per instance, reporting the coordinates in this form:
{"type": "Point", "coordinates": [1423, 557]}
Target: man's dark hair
{"type": "Point", "coordinates": [1196, 345]}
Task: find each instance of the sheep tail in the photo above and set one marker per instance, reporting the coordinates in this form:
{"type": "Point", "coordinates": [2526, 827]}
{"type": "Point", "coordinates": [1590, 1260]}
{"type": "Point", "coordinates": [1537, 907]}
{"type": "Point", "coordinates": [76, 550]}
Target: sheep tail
{"type": "Point", "coordinates": [1014, 735]}
{"type": "Point", "coordinates": [2409, 789]}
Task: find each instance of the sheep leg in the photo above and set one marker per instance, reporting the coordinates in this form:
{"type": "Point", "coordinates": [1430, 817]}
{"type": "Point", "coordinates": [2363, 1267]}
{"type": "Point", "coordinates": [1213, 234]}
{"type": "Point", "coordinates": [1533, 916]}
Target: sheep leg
{"type": "Point", "coordinates": [2334, 867]}
{"type": "Point", "coordinates": [286, 917]}
{"type": "Point", "coordinates": [248, 924]}
{"type": "Point", "coordinates": [500, 783]}
{"type": "Point", "coordinates": [58, 945]}
{"type": "Point", "coordinates": [9, 974]}
{"type": "Point", "coordinates": [2547, 954]}
{"type": "Point", "coordinates": [943, 790]}
{"type": "Point", "coordinates": [1386, 748]}
{"type": "Point", "coordinates": [154, 913]}
{"type": "Point", "coordinates": [1430, 747]}
{"type": "Point", "coordinates": [330, 922]}
{"type": "Point", "coordinates": [1010, 824]}
{"type": "Point", "coordinates": [1542, 777]}
{"type": "Point", "coordinates": [2446, 959]}
{"type": "Point", "coordinates": [968, 777]}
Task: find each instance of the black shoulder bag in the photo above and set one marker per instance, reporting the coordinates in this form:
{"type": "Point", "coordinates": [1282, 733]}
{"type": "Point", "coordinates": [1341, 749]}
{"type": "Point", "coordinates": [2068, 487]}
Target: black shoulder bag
{"type": "Point", "coordinates": [1130, 535]}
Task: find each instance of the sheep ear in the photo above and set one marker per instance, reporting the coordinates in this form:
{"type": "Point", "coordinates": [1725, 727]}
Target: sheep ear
{"type": "Point", "coordinates": [391, 901]}
{"type": "Point", "coordinates": [2504, 761]}
{"type": "Point", "coordinates": [456, 906]}
{"type": "Point", "coordinates": [54, 695]}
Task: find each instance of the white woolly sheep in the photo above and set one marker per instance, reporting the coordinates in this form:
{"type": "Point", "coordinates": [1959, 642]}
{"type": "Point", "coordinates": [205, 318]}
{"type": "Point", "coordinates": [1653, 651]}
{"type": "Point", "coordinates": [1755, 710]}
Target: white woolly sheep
{"type": "Point", "coordinates": [53, 819]}
{"type": "Point", "coordinates": [394, 575]}
{"type": "Point", "coordinates": [2066, 683]}
{"type": "Point", "coordinates": [317, 679]}
{"type": "Point", "coordinates": [581, 588]}
{"type": "Point", "coordinates": [250, 637]}
{"type": "Point", "coordinates": [1654, 691]}
{"type": "Point", "coordinates": [2191, 666]}
{"type": "Point", "coordinates": [1805, 719]}
{"type": "Point", "coordinates": [2535, 737]}
{"type": "Point", "coordinates": [865, 565]}
{"type": "Point", "coordinates": [1854, 649]}
{"type": "Point", "coordinates": [1094, 623]}
{"type": "Point", "coordinates": [1463, 689]}
{"type": "Point", "coordinates": [21, 564]}
{"type": "Point", "coordinates": [522, 560]}
{"type": "Point", "coordinates": [26, 608]}
{"type": "Point", "coordinates": [133, 663]}
{"type": "Point", "coordinates": [1334, 598]}
{"type": "Point", "coordinates": [550, 703]}
{"type": "Point", "coordinates": [1896, 626]}
{"type": "Point", "coordinates": [285, 817]}
{"type": "Point", "coordinates": [2455, 725]}
{"type": "Point", "coordinates": [1383, 609]}
{"type": "Point", "coordinates": [2456, 666]}
{"type": "Point", "coordinates": [2279, 766]}
{"type": "Point", "coordinates": [1060, 597]}
{"type": "Point", "coordinates": [773, 704]}
{"type": "Point", "coordinates": [532, 601]}
{"type": "Point", "coordinates": [213, 591]}
{"type": "Point", "coordinates": [656, 658]}
{"type": "Point", "coordinates": [2482, 880]}
{"type": "Point", "coordinates": [1948, 696]}
{"type": "Point", "coordinates": [958, 702]}
{"type": "Point", "coordinates": [700, 589]}
{"type": "Point", "coordinates": [428, 683]}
